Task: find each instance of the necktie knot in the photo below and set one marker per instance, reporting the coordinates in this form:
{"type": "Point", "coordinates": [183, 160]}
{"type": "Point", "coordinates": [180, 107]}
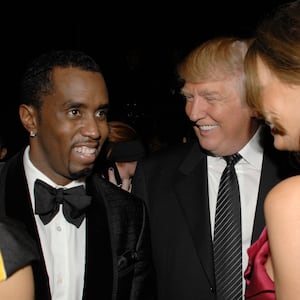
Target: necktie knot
{"type": "Point", "coordinates": [48, 200]}
{"type": "Point", "coordinates": [59, 195]}
{"type": "Point", "coordinates": [232, 159]}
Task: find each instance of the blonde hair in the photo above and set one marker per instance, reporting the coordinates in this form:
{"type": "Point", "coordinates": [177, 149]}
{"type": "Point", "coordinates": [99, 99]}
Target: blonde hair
{"type": "Point", "coordinates": [215, 59]}
{"type": "Point", "coordinates": [220, 58]}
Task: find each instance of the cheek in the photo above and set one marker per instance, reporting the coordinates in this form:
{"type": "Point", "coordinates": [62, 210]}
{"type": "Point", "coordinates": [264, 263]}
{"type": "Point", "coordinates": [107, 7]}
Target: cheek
{"type": "Point", "coordinates": [56, 132]}
{"type": "Point", "coordinates": [122, 172]}
{"type": "Point", "coordinates": [270, 97]}
{"type": "Point", "coordinates": [132, 168]}
{"type": "Point", "coordinates": [266, 103]}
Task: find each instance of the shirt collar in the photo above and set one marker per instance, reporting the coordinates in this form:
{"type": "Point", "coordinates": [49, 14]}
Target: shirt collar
{"type": "Point", "coordinates": [252, 152]}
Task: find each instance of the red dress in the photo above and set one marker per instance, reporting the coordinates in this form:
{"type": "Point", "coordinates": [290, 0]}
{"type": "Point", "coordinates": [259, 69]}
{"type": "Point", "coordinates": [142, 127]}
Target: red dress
{"type": "Point", "coordinates": [259, 285]}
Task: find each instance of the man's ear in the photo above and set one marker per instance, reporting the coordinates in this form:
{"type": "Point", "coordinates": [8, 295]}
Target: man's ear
{"type": "Point", "coordinates": [28, 116]}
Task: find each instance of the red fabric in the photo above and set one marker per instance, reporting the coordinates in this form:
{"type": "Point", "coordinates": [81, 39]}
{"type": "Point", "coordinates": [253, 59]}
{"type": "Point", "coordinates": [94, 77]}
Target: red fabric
{"type": "Point", "coordinates": [259, 285]}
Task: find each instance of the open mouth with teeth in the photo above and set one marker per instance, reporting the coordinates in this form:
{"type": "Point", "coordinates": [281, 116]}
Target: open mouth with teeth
{"type": "Point", "coordinates": [207, 127]}
{"type": "Point", "coordinates": [85, 155]}
{"type": "Point", "coordinates": [86, 150]}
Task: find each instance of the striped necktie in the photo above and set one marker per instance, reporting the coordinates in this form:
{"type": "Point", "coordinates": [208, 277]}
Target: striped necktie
{"type": "Point", "coordinates": [227, 235]}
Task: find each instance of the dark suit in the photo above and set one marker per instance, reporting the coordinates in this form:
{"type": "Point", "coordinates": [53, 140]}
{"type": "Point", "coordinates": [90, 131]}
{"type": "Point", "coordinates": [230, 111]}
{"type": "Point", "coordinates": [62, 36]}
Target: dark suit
{"type": "Point", "coordinates": [174, 185]}
{"type": "Point", "coordinates": [118, 259]}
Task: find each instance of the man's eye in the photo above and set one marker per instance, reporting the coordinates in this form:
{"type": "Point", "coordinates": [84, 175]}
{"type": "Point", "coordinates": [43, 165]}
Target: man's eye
{"type": "Point", "coordinates": [211, 98]}
{"type": "Point", "coordinates": [102, 114]}
{"type": "Point", "coordinates": [74, 112]}
{"type": "Point", "coordinates": [188, 98]}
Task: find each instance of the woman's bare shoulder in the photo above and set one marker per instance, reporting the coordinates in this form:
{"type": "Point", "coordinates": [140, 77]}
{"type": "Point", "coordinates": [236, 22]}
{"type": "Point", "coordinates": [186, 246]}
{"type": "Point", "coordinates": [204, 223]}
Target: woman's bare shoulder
{"type": "Point", "coordinates": [284, 195]}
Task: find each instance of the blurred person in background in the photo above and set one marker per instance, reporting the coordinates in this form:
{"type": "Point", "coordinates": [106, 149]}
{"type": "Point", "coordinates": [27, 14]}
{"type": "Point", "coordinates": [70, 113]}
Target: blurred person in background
{"type": "Point", "coordinates": [121, 154]}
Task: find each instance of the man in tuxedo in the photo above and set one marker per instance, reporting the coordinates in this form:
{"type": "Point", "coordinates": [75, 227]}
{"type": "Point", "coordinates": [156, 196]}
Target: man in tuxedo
{"type": "Point", "coordinates": [180, 185]}
{"type": "Point", "coordinates": [92, 236]}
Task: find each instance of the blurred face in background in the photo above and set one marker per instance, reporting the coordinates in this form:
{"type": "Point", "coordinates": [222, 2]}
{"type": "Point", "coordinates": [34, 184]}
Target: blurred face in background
{"type": "Point", "coordinates": [126, 169]}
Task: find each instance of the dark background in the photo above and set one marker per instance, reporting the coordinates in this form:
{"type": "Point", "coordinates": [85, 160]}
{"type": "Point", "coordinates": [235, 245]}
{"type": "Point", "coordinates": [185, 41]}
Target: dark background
{"type": "Point", "coordinates": [137, 44]}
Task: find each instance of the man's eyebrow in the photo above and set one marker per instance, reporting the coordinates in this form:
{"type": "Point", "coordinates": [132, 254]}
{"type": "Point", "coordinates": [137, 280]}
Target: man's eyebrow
{"type": "Point", "coordinates": [202, 93]}
{"type": "Point", "coordinates": [77, 104]}
{"type": "Point", "coordinates": [209, 94]}
{"type": "Point", "coordinates": [104, 106]}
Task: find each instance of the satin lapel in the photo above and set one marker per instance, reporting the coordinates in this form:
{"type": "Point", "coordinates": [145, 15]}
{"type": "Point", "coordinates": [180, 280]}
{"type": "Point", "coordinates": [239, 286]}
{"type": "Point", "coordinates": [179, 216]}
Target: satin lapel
{"type": "Point", "coordinates": [18, 206]}
{"type": "Point", "coordinates": [99, 267]}
{"type": "Point", "coordinates": [192, 191]}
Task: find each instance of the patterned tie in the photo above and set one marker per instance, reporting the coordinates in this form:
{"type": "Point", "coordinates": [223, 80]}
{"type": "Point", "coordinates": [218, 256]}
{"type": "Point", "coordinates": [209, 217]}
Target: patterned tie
{"type": "Point", "coordinates": [228, 236]}
{"type": "Point", "coordinates": [48, 200]}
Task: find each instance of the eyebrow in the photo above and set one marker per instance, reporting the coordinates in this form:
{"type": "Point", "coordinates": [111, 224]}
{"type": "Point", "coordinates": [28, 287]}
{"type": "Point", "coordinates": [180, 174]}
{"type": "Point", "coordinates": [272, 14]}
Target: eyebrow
{"type": "Point", "coordinates": [104, 106]}
{"type": "Point", "coordinates": [202, 93]}
{"type": "Point", "coordinates": [77, 104]}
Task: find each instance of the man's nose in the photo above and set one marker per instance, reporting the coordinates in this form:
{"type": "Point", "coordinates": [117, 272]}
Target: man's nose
{"type": "Point", "coordinates": [91, 127]}
{"type": "Point", "coordinates": [196, 109]}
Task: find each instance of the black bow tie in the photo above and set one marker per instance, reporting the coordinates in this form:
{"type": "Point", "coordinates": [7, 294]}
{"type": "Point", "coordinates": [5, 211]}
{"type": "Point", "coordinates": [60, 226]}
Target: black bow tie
{"type": "Point", "coordinates": [48, 199]}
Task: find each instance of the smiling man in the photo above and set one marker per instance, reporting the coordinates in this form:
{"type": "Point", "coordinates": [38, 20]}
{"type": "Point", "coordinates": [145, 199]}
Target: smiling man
{"type": "Point", "coordinates": [90, 234]}
{"type": "Point", "coordinates": [181, 186]}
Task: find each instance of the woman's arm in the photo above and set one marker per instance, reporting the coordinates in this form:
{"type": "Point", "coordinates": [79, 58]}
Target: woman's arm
{"type": "Point", "coordinates": [282, 212]}
{"type": "Point", "coordinates": [20, 285]}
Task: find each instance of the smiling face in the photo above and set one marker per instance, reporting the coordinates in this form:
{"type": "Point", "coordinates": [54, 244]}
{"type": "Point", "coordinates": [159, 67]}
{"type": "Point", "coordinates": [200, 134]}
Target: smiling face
{"type": "Point", "coordinates": [126, 169]}
{"type": "Point", "coordinates": [223, 123]}
{"type": "Point", "coordinates": [281, 108]}
{"type": "Point", "coordinates": [71, 125]}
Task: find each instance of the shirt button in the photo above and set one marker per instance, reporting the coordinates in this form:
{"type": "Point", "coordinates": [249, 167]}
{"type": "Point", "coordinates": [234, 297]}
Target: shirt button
{"type": "Point", "coordinates": [58, 228]}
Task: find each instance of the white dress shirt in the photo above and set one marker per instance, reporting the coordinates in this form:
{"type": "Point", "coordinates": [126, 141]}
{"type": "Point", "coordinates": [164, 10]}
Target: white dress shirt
{"type": "Point", "coordinates": [248, 171]}
{"type": "Point", "coordinates": [63, 243]}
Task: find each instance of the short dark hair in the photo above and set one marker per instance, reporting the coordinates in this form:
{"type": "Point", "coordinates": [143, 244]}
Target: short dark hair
{"type": "Point", "coordinates": [37, 79]}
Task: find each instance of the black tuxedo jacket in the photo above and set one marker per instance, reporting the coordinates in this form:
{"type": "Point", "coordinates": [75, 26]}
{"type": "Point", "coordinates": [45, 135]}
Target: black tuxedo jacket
{"type": "Point", "coordinates": [174, 185]}
{"type": "Point", "coordinates": [118, 254]}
